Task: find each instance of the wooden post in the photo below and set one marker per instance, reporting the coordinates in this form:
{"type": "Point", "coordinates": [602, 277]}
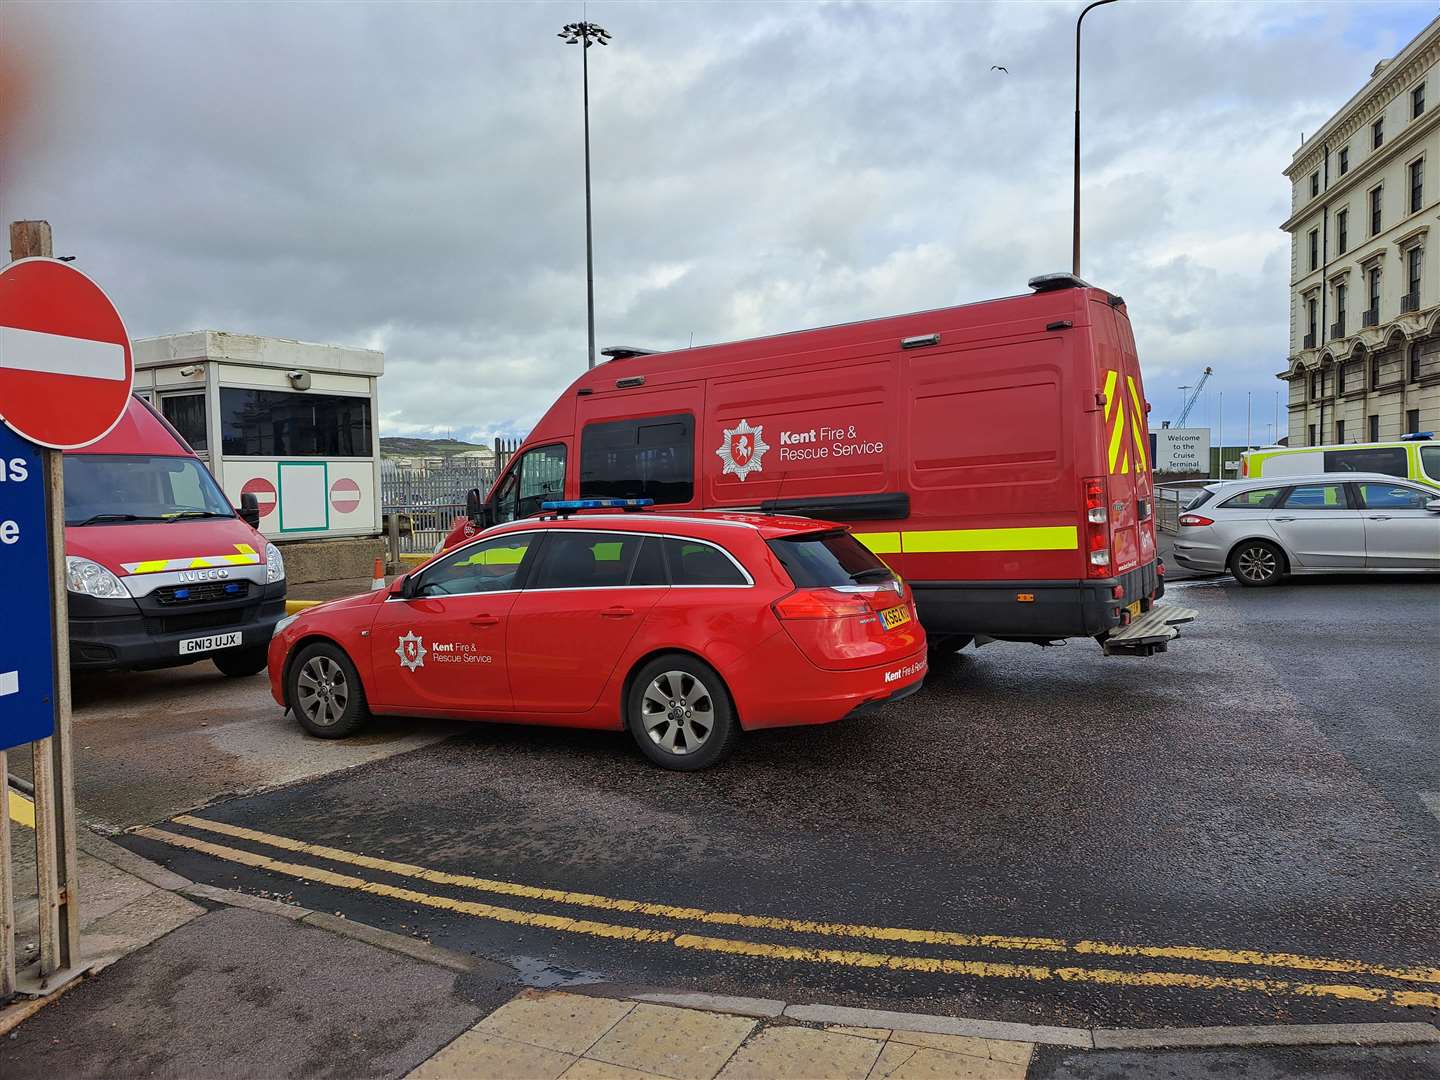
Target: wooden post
{"type": "Point", "coordinates": [57, 879]}
{"type": "Point", "coordinates": [30, 239]}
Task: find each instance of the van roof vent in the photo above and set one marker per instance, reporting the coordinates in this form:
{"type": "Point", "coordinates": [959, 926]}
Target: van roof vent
{"type": "Point", "coordinates": [1051, 282]}
{"type": "Point", "coordinates": [626, 352]}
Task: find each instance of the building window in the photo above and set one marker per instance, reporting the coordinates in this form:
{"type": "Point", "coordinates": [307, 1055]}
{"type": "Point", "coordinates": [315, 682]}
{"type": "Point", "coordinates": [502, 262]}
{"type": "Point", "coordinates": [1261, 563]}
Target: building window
{"type": "Point", "coordinates": [1315, 385]}
{"type": "Point", "coordinates": [1339, 431]}
{"type": "Point", "coordinates": [1312, 312]}
{"type": "Point", "coordinates": [1339, 328]}
{"type": "Point", "coordinates": [1342, 231]}
{"type": "Point", "coordinates": [1375, 211]}
{"type": "Point", "coordinates": [279, 423]}
{"type": "Point", "coordinates": [1377, 133]}
{"type": "Point", "coordinates": [1374, 434]}
{"type": "Point", "coordinates": [1417, 185]}
{"type": "Point", "coordinates": [1344, 160]}
{"type": "Point", "coordinates": [1315, 183]}
{"type": "Point", "coordinates": [1414, 264]}
{"type": "Point", "coordinates": [1314, 249]}
{"type": "Point", "coordinates": [1417, 101]}
{"type": "Point", "coordinates": [1375, 371]}
{"type": "Point", "coordinates": [1310, 435]}
{"type": "Point", "coordinates": [1374, 279]}
{"type": "Point", "coordinates": [1415, 362]}
{"type": "Point", "coordinates": [1412, 421]}
{"type": "Point", "coordinates": [1342, 373]}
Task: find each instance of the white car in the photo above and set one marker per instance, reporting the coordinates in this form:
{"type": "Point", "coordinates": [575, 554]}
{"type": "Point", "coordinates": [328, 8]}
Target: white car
{"type": "Point", "coordinates": [1323, 523]}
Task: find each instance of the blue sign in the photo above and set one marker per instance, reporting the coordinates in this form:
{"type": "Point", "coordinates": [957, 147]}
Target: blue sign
{"type": "Point", "coordinates": [27, 634]}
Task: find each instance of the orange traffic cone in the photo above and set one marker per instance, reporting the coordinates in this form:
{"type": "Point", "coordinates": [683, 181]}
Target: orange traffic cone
{"type": "Point", "coordinates": [379, 582]}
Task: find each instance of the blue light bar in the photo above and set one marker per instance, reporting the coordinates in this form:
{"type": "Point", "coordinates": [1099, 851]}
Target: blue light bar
{"type": "Point", "coordinates": [1418, 436]}
{"type": "Point", "coordinates": [567, 505]}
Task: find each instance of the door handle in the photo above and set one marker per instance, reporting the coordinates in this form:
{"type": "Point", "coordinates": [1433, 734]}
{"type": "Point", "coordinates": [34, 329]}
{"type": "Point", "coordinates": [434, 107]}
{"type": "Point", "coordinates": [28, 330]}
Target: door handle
{"type": "Point", "coordinates": [485, 620]}
{"type": "Point", "coordinates": [617, 613]}
{"type": "Point", "coordinates": [1379, 517]}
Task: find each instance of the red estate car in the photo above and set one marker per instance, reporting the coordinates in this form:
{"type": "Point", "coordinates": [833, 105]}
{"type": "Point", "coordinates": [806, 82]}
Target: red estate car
{"type": "Point", "coordinates": [683, 629]}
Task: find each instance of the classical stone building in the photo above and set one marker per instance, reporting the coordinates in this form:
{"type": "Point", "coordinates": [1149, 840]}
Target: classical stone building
{"type": "Point", "coordinates": [1364, 358]}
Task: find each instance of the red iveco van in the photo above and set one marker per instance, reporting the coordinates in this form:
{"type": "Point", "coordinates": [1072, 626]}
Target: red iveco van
{"type": "Point", "coordinates": [160, 569]}
{"type": "Point", "coordinates": [995, 455]}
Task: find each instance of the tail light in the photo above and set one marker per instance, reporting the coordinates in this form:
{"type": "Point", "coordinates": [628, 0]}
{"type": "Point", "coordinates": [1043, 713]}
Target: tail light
{"type": "Point", "coordinates": [821, 604]}
{"type": "Point", "coordinates": [1244, 464]}
{"type": "Point", "coordinates": [1196, 519]}
{"type": "Point", "coordinates": [1097, 527]}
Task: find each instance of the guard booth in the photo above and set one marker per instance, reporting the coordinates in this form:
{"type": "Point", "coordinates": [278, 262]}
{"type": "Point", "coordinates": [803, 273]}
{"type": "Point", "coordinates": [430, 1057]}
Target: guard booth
{"type": "Point", "coordinates": [290, 422]}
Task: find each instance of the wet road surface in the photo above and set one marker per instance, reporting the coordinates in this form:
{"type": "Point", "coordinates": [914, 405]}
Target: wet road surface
{"type": "Point", "coordinates": [1232, 832]}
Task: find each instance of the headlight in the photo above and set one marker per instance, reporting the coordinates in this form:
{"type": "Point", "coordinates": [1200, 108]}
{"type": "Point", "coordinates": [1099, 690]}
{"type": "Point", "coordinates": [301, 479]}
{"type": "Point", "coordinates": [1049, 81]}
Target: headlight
{"type": "Point", "coordinates": [286, 621]}
{"type": "Point", "coordinates": [274, 565]}
{"type": "Point", "coordinates": [92, 579]}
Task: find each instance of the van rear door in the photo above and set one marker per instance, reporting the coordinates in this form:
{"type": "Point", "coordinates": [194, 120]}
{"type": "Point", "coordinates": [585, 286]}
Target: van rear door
{"type": "Point", "coordinates": [1125, 436]}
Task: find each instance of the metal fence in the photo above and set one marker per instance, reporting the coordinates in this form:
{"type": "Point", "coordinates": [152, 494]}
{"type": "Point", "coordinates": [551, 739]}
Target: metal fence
{"type": "Point", "coordinates": [1171, 498]}
{"type": "Point", "coordinates": [428, 504]}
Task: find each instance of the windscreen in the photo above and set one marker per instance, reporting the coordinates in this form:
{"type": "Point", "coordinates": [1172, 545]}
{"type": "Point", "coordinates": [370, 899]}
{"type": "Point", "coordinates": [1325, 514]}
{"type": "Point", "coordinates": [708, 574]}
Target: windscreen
{"type": "Point", "coordinates": [828, 560]}
{"type": "Point", "coordinates": [116, 488]}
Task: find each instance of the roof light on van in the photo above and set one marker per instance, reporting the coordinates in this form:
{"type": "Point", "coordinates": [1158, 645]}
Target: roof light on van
{"type": "Point", "coordinates": [1417, 436]}
{"type": "Point", "coordinates": [1051, 282]}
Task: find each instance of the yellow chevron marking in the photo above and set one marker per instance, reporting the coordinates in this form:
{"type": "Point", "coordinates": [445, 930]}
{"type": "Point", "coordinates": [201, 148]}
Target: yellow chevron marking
{"type": "Point", "coordinates": [1117, 433]}
{"type": "Point", "coordinates": [1110, 377]}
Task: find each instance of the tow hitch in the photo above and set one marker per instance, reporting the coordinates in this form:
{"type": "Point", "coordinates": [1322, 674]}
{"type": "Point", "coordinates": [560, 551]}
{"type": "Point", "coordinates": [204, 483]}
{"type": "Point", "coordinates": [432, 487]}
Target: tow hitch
{"type": "Point", "coordinates": [1148, 633]}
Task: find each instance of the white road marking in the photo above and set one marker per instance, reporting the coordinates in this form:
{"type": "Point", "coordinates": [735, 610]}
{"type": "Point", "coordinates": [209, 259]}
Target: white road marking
{"type": "Point", "coordinates": [1203, 583]}
{"type": "Point", "coordinates": [1431, 799]}
{"type": "Point", "coordinates": [56, 354]}
{"type": "Point", "coordinates": [9, 683]}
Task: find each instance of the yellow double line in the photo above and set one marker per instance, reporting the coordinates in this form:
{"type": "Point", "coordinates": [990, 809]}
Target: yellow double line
{"type": "Point", "coordinates": [846, 957]}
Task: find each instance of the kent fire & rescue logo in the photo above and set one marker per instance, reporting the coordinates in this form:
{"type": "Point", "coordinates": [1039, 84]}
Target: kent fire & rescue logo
{"type": "Point", "coordinates": [743, 449]}
{"type": "Point", "coordinates": [411, 651]}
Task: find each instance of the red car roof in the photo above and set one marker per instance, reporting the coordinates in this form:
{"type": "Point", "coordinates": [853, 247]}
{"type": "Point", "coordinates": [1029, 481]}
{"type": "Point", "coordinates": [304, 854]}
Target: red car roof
{"type": "Point", "coordinates": [712, 524]}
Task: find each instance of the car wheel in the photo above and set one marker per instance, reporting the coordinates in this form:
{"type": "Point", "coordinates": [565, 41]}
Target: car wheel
{"type": "Point", "coordinates": [1257, 562]}
{"type": "Point", "coordinates": [679, 713]}
{"type": "Point", "coordinates": [325, 692]}
{"type": "Point", "coordinates": [240, 662]}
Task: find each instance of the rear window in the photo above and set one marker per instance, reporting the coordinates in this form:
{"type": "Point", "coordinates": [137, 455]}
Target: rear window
{"type": "Point", "coordinates": [1255, 499]}
{"type": "Point", "coordinates": [1200, 498]}
{"type": "Point", "coordinates": [694, 563]}
{"type": "Point", "coordinates": [1389, 460]}
{"type": "Point", "coordinates": [827, 560]}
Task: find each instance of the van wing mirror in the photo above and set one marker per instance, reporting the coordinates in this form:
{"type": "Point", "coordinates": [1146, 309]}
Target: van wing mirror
{"type": "Point", "coordinates": [250, 509]}
{"type": "Point", "coordinates": [473, 505]}
{"type": "Point", "coordinates": [1433, 506]}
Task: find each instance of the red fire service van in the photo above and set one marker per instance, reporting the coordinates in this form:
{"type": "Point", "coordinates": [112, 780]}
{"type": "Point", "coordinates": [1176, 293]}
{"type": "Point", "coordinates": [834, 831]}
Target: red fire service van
{"type": "Point", "coordinates": [995, 455]}
{"type": "Point", "coordinates": [160, 569]}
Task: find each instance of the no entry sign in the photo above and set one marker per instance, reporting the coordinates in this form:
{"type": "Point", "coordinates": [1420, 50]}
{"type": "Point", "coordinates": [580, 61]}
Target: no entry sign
{"type": "Point", "coordinates": [66, 369]}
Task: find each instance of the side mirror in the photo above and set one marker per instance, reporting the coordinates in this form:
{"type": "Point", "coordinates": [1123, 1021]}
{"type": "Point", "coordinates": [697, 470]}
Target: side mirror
{"type": "Point", "coordinates": [1433, 506]}
{"type": "Point", "coordinates": [250, 509]}
{"type": "Point", "coordinates": [400, 586]}
{"type": "Point", "coordinates": [473, 504]}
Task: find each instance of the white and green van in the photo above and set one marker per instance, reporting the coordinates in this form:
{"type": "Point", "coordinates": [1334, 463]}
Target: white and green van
{"type": "Point", "coordinates": [1414, 457]}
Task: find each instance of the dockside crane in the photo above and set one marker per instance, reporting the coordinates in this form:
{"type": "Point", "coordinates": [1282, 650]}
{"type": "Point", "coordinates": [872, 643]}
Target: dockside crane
{"type": "Point", "coordinates": [1194, 397]}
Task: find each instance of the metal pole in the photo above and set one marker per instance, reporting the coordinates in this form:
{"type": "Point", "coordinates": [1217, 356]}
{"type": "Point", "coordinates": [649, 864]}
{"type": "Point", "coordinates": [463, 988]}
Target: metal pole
{"type": "Point", "coordinates": [1248, 440]}
{"type": "Point", "coordinates": [1076, 260]}
{"type": "Point", "coordinates": [589, 246]}
{"type": "Point", "coordinates": [7, 899]}
{"type": "Point", "coordinates": [1220, 432]}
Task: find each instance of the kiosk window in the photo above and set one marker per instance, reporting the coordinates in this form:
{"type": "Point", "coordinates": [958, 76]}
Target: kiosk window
{"type": "Point", "coordinates": [279, 423]}
{"type": "Point", "coordinates": [186, 413]}
{"type": "Point", "coordinates": [650, 458]}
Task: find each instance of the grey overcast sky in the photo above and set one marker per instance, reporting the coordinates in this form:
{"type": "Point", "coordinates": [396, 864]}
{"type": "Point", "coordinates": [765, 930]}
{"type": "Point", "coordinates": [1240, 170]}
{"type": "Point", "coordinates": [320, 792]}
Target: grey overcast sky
{"type": "Point", "coordinates": [409, 176]}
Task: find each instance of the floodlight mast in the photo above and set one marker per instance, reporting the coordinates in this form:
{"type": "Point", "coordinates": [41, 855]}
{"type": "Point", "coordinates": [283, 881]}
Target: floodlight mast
{"type": "Point", "coordinates": [590, 34]}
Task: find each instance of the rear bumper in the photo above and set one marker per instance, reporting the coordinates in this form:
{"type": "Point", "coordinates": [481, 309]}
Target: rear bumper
{"type": "Point", "coordinates": [118, 635]}
{"type": "Point", "coordinates": [1060, 609]}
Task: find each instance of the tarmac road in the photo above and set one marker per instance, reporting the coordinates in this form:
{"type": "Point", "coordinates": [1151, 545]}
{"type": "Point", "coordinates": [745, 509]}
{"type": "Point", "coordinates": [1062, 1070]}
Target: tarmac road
{"type": "Point", "coordinates": [1233, 832]}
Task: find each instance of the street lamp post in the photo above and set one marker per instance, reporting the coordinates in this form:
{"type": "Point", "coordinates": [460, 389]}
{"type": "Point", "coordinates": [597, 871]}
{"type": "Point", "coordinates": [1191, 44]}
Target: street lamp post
{"type": "Point", "coordinates": [589, 34]}
{"type": "Point", "coordinates": [1097, 3]}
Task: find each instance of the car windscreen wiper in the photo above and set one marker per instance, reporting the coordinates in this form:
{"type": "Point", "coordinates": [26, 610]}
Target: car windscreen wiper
{"type": "Point", "coordinates": [96, 519]}
{"type": "Point", "coordinates": [179, 514]}
{"type": "Point", "coordinates": [872, 572]}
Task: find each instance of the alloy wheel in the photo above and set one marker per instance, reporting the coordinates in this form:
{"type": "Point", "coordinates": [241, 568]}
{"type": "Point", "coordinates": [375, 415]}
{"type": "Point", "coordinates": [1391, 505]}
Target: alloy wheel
{"type": "Point", "coordinates": [678, 712]}
{"type": "Point", "coordinates": [322, 691]}
{"type": "Point", "coordinates": [1257, 563]}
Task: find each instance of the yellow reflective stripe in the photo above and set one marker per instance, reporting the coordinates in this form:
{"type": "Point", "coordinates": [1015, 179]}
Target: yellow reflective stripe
{"type": "Point", "coordinates": [245, 549]}
{"type": "Point", "coordinates": [1110, 377]}
{"type": "Point", "coordinates": [198, 562]}
{"type": "Point", "coordinates": [154, 566]}
{"type": "Point", "coordinates": [880, 543]}
{"type": "Point", "coordinates": [1116, 434]}
{"type": "Point", "coordinates": [1138, 430]}
{"type": "Point", "coordinates": [1039, 538]}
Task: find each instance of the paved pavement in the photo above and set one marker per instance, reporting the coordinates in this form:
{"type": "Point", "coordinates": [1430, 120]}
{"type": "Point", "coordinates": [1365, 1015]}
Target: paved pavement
{"type": "Point", "coordinates": [1233, 832]}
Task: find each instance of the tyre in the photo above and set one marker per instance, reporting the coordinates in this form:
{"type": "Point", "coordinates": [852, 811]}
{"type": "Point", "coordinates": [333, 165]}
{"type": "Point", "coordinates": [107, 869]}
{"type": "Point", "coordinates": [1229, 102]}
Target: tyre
{"type": "Point", "coordinates": [324, 692]}
{"type": "Point", "coordinates": [1257, 563]}
{"type": "Point", "coordinates": [679, 713]}
{"type": "Point", "coordinates": [241, 662]}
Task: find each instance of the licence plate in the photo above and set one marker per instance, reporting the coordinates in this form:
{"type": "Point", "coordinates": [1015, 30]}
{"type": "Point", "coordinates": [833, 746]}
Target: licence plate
{"type": "Point", "coordinates": [1133, 609]}
{"type": "Point", "coordinates": [895, 616]}
{"type": "Point", "coordinates": [208, 644]}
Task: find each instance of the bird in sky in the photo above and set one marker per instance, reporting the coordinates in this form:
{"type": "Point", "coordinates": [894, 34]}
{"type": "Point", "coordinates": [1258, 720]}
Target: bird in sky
{"type": "Point", "coordinates": [997, 67]}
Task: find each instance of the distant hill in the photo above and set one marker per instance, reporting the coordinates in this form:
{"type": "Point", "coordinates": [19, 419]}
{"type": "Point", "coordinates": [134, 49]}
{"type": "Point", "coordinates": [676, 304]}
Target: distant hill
{"type": "Point", "coordinates": [405, 446]}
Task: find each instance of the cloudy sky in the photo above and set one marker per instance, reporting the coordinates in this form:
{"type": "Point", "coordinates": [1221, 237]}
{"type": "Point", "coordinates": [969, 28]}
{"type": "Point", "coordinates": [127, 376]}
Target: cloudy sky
{"type": "Point", "coordinates": [409, 176]}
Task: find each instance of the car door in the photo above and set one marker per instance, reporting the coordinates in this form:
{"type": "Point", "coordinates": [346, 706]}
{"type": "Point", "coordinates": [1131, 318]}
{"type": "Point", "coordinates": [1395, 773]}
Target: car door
{"type": "Point", "coordinates": [1319, 527]}
{"type": "Point", "coordinates": [581, 607]}
{"type": "Point", "coordinates": [441, 649]}
{"type": "Point", "coordinates": [1399, 532]}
